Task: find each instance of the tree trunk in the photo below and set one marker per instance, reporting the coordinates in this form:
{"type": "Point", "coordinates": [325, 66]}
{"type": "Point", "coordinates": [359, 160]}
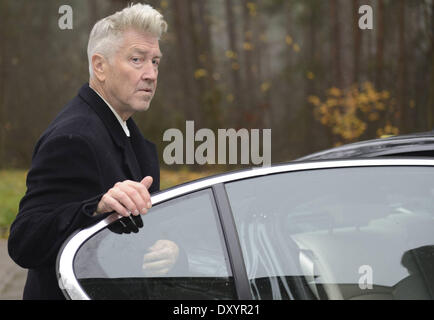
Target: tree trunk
{"type": "Point", "coordinates": [262, 60]}
{"type": "Point", "coordinates": [309, 125]}
{"type": "Point", "coordinates": [431, 86]}
{"type": "Point", "coordinates": [3, 36]}
{"type": "Point", "coordinates": [357, 42]}
{"type": "Point", "coordinates": [198, 84]}
{"type": "Point", "coordinates": [237, 83]}
{"type": "Point", "coordinates": [206, 59]}
{"type": "Point", "coordinates": [205, 46]}
{"type": "Point", "coordinates": [93, 13]}
{"type": "Point", "coordinates": [250, 79]}
{"type": "Point", "coordinates": [336, 44]}
{"type": "Point", "coordinates": [402, 70]}
{"type": "Point", "coordinates": [380, 46]}
{"type": "Point", "coordinates": [186, 67]}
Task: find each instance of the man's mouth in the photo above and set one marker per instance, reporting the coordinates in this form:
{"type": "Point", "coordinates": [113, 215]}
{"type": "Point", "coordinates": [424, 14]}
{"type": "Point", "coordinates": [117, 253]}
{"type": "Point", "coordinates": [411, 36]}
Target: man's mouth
{"type": "Point", "coordinates": [146, 90]}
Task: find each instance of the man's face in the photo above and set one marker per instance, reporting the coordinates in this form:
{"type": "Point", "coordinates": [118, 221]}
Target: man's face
{"type": "Point", "coordinates": [131, 78]}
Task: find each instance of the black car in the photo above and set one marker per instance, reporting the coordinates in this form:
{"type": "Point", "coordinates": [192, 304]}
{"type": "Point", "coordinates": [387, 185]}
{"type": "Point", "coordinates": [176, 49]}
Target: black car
{"type": "Point", "coordinates": [359, 228]}
{"type": "Point", "coordinates": [410, 145]}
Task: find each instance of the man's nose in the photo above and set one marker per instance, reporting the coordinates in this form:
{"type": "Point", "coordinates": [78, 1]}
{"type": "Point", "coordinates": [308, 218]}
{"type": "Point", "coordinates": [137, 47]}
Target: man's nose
{"type": "Point", "coordinates": [150, 72]}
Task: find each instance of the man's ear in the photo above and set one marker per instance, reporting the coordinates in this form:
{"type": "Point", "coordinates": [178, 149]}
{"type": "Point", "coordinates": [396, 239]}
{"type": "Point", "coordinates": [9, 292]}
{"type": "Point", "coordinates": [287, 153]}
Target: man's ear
{"type": "Point", "coordinates": [99, 65]}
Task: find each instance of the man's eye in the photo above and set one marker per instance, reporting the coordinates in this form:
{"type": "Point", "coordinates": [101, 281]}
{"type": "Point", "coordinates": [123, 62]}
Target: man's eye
{"type": "Point", "coordinates": [135, 60]}
{"type": "Point", "coordinates": [156, 62]}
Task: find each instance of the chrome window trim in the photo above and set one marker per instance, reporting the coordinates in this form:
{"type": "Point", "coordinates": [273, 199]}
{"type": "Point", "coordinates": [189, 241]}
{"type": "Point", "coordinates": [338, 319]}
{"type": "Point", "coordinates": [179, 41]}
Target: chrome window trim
{"type": "Point", "coordinates": [65, 271]}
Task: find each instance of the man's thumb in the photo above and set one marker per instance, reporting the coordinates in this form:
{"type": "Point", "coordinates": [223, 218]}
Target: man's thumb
{"type": "Point", "coordinates": [147, 181]}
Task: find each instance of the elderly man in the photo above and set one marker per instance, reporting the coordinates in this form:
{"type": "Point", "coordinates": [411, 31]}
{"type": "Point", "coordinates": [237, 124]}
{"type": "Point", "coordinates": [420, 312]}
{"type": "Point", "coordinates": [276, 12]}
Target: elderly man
{"type": "Point", "coordinates": [92, 160]}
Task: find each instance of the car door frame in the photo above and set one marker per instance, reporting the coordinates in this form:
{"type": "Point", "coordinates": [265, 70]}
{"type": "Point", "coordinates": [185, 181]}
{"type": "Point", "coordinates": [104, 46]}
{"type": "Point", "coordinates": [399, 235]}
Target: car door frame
{"type": "Point", "coordinates": [65, 260]}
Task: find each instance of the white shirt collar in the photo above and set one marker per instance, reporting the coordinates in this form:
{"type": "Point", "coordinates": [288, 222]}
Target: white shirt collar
{"type": "Point", "coordinates": [121, 121]}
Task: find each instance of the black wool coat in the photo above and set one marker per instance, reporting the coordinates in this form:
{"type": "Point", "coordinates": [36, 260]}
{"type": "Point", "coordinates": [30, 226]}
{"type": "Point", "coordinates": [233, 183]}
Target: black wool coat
{"type": "Point", "coordinates": [80, 156]}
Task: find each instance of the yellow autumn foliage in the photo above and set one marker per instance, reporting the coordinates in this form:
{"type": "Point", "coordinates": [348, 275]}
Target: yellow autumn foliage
{"type": "Point", "coordinates": [252, 9]}
{"type": "Point", "coordinates": [200, 73]}
{"type": "Point", "coordinates": [230, 54]}
{"type": "Point", "coordinates": [235, 66]}
{"type": "Point", "coordinates": [347, 112]}
{"type": "Point", "coordinates": [265, 86]}
{"type": "Point", "coordinates": [288, 40]}
{"type": "Point", "coordinates": [310, 75]}
{"type": "Point", "coordinates": [247, 46]}
{"type": "Point", "coordinates": [164, 4]}
{"type": "Point", "coordinates": [388, 130]}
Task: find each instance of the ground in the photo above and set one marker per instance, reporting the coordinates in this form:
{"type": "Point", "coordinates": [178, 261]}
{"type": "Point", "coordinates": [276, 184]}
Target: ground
{"type": "Point", "coordinates": [12, 277]}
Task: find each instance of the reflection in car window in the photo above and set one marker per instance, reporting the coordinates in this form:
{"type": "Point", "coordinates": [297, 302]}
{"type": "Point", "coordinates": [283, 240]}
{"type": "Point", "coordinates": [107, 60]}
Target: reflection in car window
{"type": "Point", "coordinates": [344, 233]}
{"type": "Point", "coordinates": [110, 264]}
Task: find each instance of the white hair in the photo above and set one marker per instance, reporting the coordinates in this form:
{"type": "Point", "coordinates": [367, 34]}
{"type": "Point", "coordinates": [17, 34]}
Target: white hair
{"type": "Point", "coordinates": [107, 33]}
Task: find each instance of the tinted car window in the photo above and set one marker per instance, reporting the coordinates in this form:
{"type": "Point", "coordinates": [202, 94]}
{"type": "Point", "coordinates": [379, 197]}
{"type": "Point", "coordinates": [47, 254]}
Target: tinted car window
{"type": "Point", "coordinates": [110, 264]}
{"type": "Point", "coordinates": [344, 233]}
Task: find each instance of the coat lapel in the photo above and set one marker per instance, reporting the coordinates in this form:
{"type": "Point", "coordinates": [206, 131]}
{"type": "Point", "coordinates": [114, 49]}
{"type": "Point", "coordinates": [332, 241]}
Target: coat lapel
{"type": "Point", "coordinates": [131, 163]}
{"type": "Point", "coordinates": [146, 153]}
{"type": "Point", "coordinates": [113, 126]}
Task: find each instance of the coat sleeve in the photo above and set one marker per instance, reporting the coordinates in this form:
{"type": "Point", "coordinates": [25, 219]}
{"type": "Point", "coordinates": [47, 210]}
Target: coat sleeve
{"type": "Point", "coordinates": [63, 191]}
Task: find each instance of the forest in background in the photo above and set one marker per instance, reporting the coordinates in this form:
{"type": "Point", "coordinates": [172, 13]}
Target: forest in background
{"type": "Point", "coordinates": [300, 67]}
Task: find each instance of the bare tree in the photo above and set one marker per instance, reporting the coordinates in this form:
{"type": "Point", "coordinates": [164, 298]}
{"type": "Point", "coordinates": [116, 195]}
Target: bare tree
{"type": "Point", "coordinates": [402, 68]}
{"type": "Point", "coordinates": [237, 83]}
{"type": "Point", "coordinates": [209, 93]}
{"type": "Point", "coordinates": [380, 45]}
{"type": "Point", "coordinates": [249, 66]}
{"type": "Point", "coordinates": [336, 48]}
{"type": "Point", "coordinates": [357, 42]}
{"type": "Point", "coordinates": [3, 77]}
{"type": "Point", "coordinates": [186, 48]}
{"type": "Point", "coordinates": [431, 59]}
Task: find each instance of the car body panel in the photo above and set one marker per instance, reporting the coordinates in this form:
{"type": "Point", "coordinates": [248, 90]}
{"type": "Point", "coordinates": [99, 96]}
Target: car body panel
{"type": "Point", "coordinates": [412, 145]}
{"type": "Point", "coordinates": [65, 270]}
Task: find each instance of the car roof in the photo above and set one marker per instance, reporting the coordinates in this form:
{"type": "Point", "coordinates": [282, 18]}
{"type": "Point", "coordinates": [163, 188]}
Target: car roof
{"type": "Point", "coordinates": [404, 146]}
{"type": "Point", "coordinates": [419, 144]}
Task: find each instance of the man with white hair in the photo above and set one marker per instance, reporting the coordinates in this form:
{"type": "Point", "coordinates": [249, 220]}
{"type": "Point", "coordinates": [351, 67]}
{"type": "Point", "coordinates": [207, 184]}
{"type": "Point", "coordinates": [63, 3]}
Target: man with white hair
{"type": "Point", "coordinates": [92, 160]}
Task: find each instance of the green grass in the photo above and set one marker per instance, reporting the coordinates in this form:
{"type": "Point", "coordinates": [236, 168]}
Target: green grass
{"type": "Point", "coordinates": [170, 178]}
{"type": "Point", "coordinates": [13, 188]}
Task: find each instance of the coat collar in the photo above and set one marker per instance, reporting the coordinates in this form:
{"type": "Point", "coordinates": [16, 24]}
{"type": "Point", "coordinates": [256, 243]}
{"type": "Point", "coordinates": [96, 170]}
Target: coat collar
{"type": "Point", "coordinates": [115, 129]}
{"type": "Point", "coordinates": [106, 115]}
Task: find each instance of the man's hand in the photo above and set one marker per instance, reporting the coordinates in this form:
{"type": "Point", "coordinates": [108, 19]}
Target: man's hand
{"type": "Point", "coordinates": [161, 258]}
{"type": "Point", "coordinates": [127, 197]}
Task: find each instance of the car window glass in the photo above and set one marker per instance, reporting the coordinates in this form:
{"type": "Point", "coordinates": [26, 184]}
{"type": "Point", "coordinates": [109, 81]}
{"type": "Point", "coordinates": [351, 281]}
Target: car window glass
{"type": "Point", "coordinates": [344, 233]}
{"type": "Point", "coordinates": [110, 265]}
